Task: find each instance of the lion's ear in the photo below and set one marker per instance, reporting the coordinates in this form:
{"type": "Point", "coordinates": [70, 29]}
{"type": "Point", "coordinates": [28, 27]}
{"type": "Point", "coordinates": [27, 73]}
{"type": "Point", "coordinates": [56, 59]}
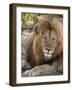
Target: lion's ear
{"type": "Point", "coordinates": [36, 28]}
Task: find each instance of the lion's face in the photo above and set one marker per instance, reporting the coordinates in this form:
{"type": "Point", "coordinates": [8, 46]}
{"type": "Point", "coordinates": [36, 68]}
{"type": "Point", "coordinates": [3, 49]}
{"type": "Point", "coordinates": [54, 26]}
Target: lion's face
{"type": "Point", "coordinates": [49, 43]}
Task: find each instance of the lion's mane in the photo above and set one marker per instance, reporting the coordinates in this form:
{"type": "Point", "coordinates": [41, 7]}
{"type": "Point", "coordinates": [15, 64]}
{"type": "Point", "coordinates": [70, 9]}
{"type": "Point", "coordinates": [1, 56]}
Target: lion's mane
{"type": "Point", "coordinates": [34, 50]}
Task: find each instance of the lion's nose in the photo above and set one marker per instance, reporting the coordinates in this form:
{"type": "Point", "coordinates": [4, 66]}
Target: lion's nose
{"type": "Point", "coordinates": [48, 49]}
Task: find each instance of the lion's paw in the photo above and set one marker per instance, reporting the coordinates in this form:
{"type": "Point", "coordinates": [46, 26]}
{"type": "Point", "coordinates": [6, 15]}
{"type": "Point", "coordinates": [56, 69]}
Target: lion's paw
{"type": "Point", "coordinates": [27, 73]}
{"type": "Point", "coordinates": [32, 72]}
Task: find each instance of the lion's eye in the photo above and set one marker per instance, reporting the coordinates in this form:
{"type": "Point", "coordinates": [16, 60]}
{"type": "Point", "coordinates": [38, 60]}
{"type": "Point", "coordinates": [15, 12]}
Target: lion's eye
{"type": "Point", "coordinates": [45, 38]}
{"type": "Point", "coordinates": [53, 39]}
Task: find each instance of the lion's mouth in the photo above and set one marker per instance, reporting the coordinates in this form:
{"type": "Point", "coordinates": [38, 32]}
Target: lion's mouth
{"type": "Point", "coordinates": [48, 54]}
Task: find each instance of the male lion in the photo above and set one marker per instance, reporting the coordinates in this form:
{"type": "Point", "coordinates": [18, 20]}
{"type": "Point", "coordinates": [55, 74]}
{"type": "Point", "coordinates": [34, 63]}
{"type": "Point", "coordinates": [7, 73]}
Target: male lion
{"type": "Point", "coordinates": [45, 47]}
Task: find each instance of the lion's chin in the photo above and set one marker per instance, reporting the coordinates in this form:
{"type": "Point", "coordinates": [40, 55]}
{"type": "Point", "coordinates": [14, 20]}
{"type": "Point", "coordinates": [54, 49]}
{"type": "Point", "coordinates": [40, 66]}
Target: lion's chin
{"type": "Point", "coordinates": [47, 56]}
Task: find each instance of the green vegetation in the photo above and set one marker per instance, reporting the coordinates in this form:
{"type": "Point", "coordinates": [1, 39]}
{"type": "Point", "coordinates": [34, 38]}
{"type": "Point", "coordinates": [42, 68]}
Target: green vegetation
{"type": "Point", "coordinates": [29, 17]}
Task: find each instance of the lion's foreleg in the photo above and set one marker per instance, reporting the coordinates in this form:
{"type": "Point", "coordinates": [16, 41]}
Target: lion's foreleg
{"type": "Point", "coordinates": [41, 70]}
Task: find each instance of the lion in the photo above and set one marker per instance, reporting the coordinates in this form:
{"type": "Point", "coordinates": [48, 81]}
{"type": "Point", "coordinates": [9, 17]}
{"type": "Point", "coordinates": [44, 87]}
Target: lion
{"type": "Point", "coordinates": [45, 47]}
